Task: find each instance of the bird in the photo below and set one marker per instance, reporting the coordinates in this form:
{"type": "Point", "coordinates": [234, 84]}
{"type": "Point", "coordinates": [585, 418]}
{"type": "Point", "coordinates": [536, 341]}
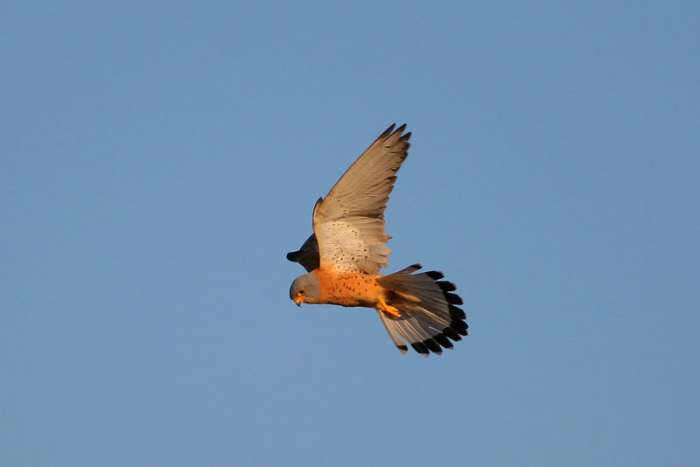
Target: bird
{"type": "Point", "coordinates": [347, 249]}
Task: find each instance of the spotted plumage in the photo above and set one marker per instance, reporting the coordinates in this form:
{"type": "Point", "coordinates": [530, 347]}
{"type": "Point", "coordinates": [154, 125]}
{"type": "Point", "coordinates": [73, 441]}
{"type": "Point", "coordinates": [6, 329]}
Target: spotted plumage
{"type": "Point", "coordinates": [347, 249]}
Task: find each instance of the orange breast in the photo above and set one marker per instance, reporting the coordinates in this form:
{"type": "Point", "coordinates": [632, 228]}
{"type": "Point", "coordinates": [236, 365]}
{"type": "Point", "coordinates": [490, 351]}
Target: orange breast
{"type": "Point", "coordinates": [348, 289]}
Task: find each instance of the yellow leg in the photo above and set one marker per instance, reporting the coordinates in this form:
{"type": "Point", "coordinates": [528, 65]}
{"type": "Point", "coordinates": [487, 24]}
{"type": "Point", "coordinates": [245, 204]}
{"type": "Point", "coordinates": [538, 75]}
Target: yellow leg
{"type": "Point", "coordinates": [388, 309]}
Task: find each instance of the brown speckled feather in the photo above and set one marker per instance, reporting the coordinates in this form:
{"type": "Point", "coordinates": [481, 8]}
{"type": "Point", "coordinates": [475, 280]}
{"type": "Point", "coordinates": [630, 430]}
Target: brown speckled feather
{"type": "Point", "coordinates": [349, 221]}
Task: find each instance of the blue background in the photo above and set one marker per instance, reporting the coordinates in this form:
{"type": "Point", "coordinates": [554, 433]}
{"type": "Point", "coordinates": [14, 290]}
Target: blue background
{"type": "Point", "coordinates": [158, 159]}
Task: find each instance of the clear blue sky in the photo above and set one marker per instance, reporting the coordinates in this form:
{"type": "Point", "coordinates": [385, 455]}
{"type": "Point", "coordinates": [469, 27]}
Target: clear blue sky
{"type": "Point", "coordinates": [158, 159]}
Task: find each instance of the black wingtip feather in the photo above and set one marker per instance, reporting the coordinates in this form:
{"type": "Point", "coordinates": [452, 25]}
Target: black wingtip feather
{"type": "Point", "coordinates": [457, 313]}
{"type": "Point", "coordinates": [447, 286]}
{"type": "Point", "coordinates": [452, 334]}
{"type": "Point", "coordinates": [457, 327]}
{"type": "Point", "coordinates": [443, 341]}
{"type": "Point", "coordinates": [460, 327]}
{"type": "Point", "coordinates": [293, 256]}
{"type": "Point", "coordinates": [453, 299]}
{"type": "Point", "coordinates": [435, 275]}
{"type": "Point", "coordinates": [433, 346]}
{"type": "Point", "coordinates": [420, 348]}
{"type": "Point", "coordinates": [387, 132]}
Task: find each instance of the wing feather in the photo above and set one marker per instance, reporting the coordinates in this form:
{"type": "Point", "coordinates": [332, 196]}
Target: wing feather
{"type": "Point", "coordinates": [307, 255]}
{"type": "Point", "coordinates": [349, 221]}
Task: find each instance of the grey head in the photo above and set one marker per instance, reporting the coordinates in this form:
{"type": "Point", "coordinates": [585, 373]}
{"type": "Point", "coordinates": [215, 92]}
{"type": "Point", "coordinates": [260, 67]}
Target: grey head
{"type": "Point", "coordinates": [305, 289]}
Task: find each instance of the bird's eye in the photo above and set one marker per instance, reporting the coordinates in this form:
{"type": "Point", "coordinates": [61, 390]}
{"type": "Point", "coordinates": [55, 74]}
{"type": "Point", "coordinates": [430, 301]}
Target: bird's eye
{"type": "Point", "coordinates": [301, 292]}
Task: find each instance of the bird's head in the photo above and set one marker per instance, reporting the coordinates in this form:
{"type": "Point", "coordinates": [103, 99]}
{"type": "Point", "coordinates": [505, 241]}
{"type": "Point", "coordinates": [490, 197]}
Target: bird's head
{"type": "Point", "coordinates": [305, 289]}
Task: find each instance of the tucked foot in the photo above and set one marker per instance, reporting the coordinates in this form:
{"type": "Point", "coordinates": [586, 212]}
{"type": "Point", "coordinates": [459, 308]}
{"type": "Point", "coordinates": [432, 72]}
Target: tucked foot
{"type": "Point", "coordinates": [388, 309]}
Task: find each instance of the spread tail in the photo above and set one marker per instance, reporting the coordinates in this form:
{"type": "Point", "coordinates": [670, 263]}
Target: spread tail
{"type": "Point", "coordinates": [429, 316]}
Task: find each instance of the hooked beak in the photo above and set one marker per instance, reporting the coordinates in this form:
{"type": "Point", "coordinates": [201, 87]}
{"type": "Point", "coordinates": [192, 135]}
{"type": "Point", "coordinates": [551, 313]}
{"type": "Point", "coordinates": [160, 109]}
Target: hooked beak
{"type": "Point", "coordinates": [298, 299]}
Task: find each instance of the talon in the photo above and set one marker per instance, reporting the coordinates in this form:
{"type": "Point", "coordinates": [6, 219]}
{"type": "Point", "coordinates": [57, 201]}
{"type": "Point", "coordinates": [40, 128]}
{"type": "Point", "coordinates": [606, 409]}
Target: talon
{"type": "Point", "coordinates": [388, 309]}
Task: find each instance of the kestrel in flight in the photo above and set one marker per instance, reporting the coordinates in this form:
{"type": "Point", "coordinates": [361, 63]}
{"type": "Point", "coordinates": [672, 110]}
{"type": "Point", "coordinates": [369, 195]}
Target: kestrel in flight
{"type": "Point", "coordinates": [347, 249]}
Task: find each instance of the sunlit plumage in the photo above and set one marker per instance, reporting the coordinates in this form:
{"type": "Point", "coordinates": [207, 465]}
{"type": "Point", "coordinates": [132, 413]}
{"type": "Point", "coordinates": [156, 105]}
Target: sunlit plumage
{"type": "Point", "coordinates": [347, 250]}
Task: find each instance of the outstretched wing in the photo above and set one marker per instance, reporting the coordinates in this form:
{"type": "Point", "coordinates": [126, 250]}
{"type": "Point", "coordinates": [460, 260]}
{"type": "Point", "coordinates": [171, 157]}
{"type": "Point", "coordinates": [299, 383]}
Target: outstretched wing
{"type": "Point", "coordinates": [349, 221]}
{"type": "Point", "coordinates": [307, 255]}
